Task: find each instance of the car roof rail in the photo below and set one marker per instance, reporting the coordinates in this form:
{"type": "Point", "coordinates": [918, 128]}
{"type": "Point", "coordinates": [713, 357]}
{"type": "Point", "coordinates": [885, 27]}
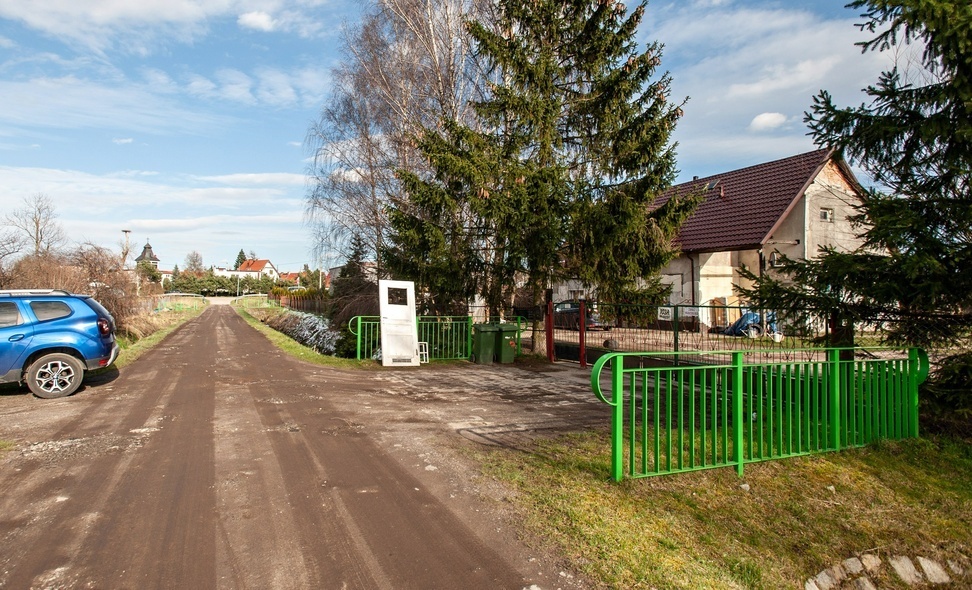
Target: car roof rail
{"type": "Point", "coordinates": [13, 292]}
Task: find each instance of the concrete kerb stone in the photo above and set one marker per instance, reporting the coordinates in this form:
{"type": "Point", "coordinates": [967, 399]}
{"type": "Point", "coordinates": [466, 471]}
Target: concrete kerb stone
{"type": "Point", "coordinates": [856, 572]}
{"type": "Point", "coordinates": [905, 568]}
{"type": "Point", "coordinates": [852, 566]}
{"type": "Point", "coordinates": [934, 572]}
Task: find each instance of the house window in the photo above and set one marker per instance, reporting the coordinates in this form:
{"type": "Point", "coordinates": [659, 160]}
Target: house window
{"type": "Point", "coordinates": [827, 215]}
{"type": "Point", "coordinates": [575, 294]}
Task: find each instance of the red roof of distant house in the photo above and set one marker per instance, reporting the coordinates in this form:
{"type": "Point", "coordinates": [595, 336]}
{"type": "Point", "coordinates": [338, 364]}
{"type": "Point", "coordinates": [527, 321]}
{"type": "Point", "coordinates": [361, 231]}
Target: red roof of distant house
{"type": "Point", "coordinates": [742, 207]}
{"type": "Point", "coordinates": [290, 276]}
{"type": "Point", "coordinates": [252, 265]}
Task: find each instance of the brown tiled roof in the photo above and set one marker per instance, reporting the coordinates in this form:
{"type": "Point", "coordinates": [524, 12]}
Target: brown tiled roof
{"type": "Point", "coordinates": [251, 265]}
{"type": "Point", "coordinates": [743, 206]}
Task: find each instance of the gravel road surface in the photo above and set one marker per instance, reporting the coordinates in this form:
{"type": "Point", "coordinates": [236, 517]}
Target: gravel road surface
{"type": "Point", "coordinates": [216, 461]}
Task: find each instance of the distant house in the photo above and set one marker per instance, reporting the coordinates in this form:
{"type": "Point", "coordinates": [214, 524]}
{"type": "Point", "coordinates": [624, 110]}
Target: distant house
{"type": "Point", "coordinates": [755, 215]}
{"type": "Point", "coordinates": [252, 268]}
{"type": "Point", "coordinates": [370, 270]}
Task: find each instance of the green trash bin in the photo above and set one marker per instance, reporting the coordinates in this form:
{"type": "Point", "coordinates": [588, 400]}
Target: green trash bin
{"type": "Point", "coordinates": [506, 342]}
{"type": "Point", "coordinates": [484, 343]}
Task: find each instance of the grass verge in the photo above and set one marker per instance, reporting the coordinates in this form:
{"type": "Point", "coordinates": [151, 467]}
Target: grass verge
{"type": "Point", "coordinates": [703, 530]}
{"type": "Point", "coordinates": [294, 348]}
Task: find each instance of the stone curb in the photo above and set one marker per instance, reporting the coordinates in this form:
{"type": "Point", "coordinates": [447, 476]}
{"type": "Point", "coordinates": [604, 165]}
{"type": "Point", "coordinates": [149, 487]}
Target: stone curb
{"type": "Point", "coordinates": [857, 572]}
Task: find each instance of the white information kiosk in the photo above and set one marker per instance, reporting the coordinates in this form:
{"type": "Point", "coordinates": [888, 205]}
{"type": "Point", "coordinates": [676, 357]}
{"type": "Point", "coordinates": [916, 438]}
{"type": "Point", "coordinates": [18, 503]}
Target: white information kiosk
{"type": "Point", "coordinates": [399, 332]}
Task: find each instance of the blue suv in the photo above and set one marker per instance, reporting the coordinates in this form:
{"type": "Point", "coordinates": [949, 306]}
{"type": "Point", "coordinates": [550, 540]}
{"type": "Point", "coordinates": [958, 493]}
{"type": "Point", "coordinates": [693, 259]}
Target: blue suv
{"type": "Point", "coordinates": [49, 338]}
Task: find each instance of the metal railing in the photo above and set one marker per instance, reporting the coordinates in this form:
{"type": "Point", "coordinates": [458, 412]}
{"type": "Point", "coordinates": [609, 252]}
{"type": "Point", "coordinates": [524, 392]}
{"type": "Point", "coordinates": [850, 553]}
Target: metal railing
{"type": "Point", "coordinates": [671, 417]}
{"type": "Point", "coordinates": [253, 301]}
{"type": "Point", "coordinates": [448, 337]}
{"type": "Point", "coordinates": [176, 302]}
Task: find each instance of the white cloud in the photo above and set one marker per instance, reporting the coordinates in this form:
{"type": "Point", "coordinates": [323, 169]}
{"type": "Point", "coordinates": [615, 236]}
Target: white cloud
{"type": "Point", "coordinates": [260, 21]}
{"type": "Point", "coordinates": [275, 88]}
{"type": "Point", "coordinates": [73, 103]}
{"type": "Point", "coordinates": [179, 214]}
{"type": "Point", "coordinates": [270, 178]}
{"type": "Point", "coordinates": [767, 121]}
{"type": "Point", "coordinates": [143, 26]}
{"type": "Point", "coordinates": [122, 140]}
{"type": "Point", "coordinates": [236, 86]}
{"type": "Point", "coordinates": [736, 59]}
{"type": "Point", "coordinates": [805, 74]}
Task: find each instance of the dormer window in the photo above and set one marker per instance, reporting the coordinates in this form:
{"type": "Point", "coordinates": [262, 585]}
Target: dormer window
{"type": "Point", "coordinates": [827, 215]}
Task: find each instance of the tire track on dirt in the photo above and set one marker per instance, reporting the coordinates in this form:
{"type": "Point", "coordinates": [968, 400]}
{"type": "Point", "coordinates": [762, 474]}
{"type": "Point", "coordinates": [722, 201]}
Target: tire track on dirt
{"type": "Point", "coordinates": [150, 501]}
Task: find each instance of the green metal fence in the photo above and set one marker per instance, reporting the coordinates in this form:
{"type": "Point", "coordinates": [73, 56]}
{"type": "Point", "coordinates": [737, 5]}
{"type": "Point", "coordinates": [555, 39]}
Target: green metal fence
{"type": "Point", "coordinates": [673, 417]}
{"type": "Point", "coordinates": [448, 337]}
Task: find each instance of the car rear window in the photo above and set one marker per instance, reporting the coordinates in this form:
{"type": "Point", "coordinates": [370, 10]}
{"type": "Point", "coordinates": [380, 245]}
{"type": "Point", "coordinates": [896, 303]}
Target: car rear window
{"type": "Point", "coordinates": [50, 310]}
{"type": "Point", "coordinates": [9, 314]}
{"type": "Point", "coordinates": [99, 308]}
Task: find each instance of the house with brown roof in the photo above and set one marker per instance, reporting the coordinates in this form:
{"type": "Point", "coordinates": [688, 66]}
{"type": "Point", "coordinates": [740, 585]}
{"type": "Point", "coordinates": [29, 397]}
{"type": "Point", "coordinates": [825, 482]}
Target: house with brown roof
{"type": "Point", "coordinates": [252, 268]}
{"type": "Point", "coordinates": [755, 215]}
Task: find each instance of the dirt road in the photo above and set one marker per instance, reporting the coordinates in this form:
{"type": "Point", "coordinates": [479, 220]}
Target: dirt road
{"type": "Point", "coordinates": [216, 461]}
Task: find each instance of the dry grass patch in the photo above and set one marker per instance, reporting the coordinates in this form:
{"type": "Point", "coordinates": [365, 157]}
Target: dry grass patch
{"type": "Point", "coordinates": [257, 317]}
{"type": "Point", "coordinates": [703, 530]}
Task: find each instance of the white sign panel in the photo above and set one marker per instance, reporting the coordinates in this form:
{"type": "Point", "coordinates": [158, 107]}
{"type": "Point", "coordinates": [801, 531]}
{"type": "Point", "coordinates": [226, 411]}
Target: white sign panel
{"type": "Point", "coordinates": [666, 314]}
{"type": "Point", "coordinates": [399, 332]}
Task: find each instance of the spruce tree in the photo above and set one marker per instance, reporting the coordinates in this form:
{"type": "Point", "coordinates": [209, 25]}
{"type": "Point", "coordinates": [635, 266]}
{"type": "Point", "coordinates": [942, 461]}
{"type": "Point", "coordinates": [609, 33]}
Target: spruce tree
{"type": "Point", "coordinates": [914, 138]}
{"type": "Point", "coordinates": [240, 259]}
{"type": "Point", "coordinates": [573, 148]}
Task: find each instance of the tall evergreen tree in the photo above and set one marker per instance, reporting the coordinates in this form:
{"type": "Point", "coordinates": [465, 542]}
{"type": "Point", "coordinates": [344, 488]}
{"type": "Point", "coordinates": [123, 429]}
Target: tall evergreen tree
{"type": "Point", "coordinates": [575, 147]}
{"type": "Point", "coordinates": [914, 138]}
{"type": "Point", "coordinates": [240, 259]}
{"type": "Point", "coordinates": [353, 292]}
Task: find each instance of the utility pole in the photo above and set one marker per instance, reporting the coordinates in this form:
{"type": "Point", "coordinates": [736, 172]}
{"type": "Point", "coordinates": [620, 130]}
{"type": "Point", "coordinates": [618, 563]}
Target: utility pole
{"type": "Point", "coordinates": [127, 249]}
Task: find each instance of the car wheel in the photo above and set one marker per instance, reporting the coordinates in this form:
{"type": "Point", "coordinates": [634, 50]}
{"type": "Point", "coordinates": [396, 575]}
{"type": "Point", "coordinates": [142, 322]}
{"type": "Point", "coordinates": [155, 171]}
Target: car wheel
{"type": "Point", "coordinates": [55, 375]}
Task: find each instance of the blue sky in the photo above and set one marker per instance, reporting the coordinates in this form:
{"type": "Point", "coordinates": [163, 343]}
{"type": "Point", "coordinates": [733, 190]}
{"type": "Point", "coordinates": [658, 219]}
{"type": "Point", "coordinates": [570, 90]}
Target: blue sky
{"type": "Point", "coordinates": [184, 120]}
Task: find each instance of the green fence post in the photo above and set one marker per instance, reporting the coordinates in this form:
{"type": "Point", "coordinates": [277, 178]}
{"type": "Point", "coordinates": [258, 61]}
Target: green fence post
{"type": "Point", "coordinates": [737, 412]}
{"type": "Point", "coordinates": [617, 418]}
{"type": "Point", "coordinates": [677, 311]}
{"type": "Point", "coordinates": [358, 336]}
{"type": "Point", "coordinates": [469, 339]}
{"type": "Point", "coordinates": [918, 360]}
{"type": "Point", "coordinates": [834, 386]}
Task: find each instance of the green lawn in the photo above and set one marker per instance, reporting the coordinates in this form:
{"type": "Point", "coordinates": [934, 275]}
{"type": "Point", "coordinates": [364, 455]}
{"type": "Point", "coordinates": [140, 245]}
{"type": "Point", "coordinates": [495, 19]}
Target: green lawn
{"type": "Point", "coordinates": [703, 530]}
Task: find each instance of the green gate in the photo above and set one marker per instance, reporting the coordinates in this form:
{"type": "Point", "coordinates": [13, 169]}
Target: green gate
{"type": "Point", "coordinates": [677, 414]}
{"type": "Point", "coordinates": [447, 337]}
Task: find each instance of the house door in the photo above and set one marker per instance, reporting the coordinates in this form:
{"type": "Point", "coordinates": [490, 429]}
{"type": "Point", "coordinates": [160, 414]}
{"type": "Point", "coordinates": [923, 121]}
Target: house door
{"type": "Point", "coordinates": [399, 332]}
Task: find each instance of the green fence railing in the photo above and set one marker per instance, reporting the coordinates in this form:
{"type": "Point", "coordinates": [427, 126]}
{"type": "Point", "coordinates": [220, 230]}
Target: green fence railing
{"type": "Point", "coordinates": [671, 418]}
{"type": "Point", "coordinates": [447, 337]}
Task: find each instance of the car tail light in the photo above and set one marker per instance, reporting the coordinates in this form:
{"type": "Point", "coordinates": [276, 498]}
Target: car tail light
{"type": "Point", "coordinates": [104, 326]}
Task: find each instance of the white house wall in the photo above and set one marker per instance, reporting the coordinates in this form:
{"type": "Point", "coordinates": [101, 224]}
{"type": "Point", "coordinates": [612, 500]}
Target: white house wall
{"type": "Point", "coordinates": [830, 190]}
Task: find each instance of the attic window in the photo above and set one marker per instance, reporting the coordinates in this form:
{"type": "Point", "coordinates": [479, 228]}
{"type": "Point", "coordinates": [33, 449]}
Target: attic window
{"type": "Point", "coordinates": [827, 215]}
{"type": "Point", "coordinates": [711, 185]}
